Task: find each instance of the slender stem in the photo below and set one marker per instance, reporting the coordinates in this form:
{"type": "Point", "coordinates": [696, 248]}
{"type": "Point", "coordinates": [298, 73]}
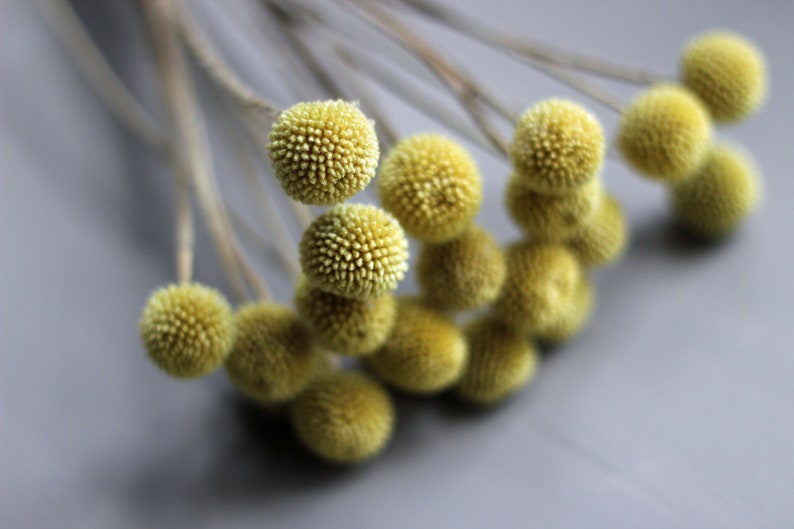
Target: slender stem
{"type": "Point", "coordinates": [100, 75]}
{"type": "Point", "coordinates": [605, 98]}
{"type": "Point", "coordinates": [184, 224]}
{"type": "Point", "coordinates": [468, 93]}
{"type": "Point", "coordinates": [532, 50]}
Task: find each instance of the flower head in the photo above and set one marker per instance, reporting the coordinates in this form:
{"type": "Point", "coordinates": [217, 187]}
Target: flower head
{"type": "Point", "coordinates": [323, 152]}
{"type": "Point", "coordinates": [187, 329]}
{"type": "Point", "coordinates": [354, 250]}
{"type": "Point", "coordinates": [604, 239]}
{"type": "Point", "coordinates": [432, 185]}
{"type": "Point", "coordinates": [575, 317]}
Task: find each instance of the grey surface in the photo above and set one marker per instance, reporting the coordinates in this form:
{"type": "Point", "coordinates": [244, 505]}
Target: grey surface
{"type": "Point", "coordinates": [674, 409]}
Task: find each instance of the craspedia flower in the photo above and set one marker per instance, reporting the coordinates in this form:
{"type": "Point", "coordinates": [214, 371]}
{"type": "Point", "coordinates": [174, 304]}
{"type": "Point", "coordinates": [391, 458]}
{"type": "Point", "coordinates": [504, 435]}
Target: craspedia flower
{"type": "Point", "coordinates": [540, 284]}
{"type": "Point", "coordinates": [665, 133]}
{"type": "Point", "coordinates": [604, 239]}
{"type": "Point", "coordinates": [432, 185]}
{"type": "Point", "coordinates": [187, 329]}
{"type": "Point", "coordinates": [575, 317]}
{"type": "Point", "coordinates": [727, 72]}
{"type": "Point", "coordinates": [425, 353]}
{"type": "Point", "coordinates": [323, 152]}
{"type": "Point", "coordinates": [354, 250]}
{"type": "Point", "coordinates": [274, 356]}
{"type": "Point", "coordinates": [557, 146]}
{"type": "Point", "coordinates": [720, 196]}
{"type": "Point", "coordinates": [551, 217]}
{"type": "Point", "coordinates": [501, 361]}
{"type": "Point", "coordinates": [348, 326]}
{"type": "Point", "coordinates": [344, 417]}
{"type": "Point", "coordinates": [461, 274]}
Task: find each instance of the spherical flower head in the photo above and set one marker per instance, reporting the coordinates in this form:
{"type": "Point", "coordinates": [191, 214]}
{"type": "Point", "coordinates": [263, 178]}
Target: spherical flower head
{"type": "Point", "coordinates": [323, 152]}
{"type": "Point", "coordinates": [187, 329]}
{"type": "Point", "coordinates": [344, 417]}
{"type": "Point", "coordinates": [716, 200]}
{"type": "Point", "coordinates": [462, 274]}
{"type": "Point", "coordinates": [604, 239]}
{"type": "Point", "coordinates": [354, 250]}
{"type": "Point", "coordinates": [575, 317]}
{"type": "Point", "coordinates": [540, 284]}
{"type": "Point", "coordinates": [665, 133]}
{"type": "Point", "coordinates": [274, 357]}
{"type": "Point", "coordinates": [425, 353]}
{"type": "Point", "coordinates": [557, 146]}
{"type": "Point", "coordinates": [501, 361]}
{"type": "Point", "coordinates": [432, 185]}
{"type": "Point", "coordinates": [727, 72]}
{"type": "Point", "coordinates": [551, 217]}
{"type": "Point", "coordinates": [352, 327]}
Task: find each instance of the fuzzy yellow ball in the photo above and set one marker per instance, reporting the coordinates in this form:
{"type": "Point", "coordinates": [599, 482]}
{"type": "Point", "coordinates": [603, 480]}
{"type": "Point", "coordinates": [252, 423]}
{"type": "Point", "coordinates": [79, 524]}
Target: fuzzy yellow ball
{"type": "Point", "coordinates": [575, 317]}
{"type": "Point", "coordinates": [432, 185]}
{"type": "Point", "coordinates": [344, 417]}
{"type": "Point", "coordinates": [665, 133]}
{"type": "Point", "coordinates": [727, 72]}
{"type": "Point", "coordinates": [354, 250]}
{"type": "Point", "coordinates": [187, 329]}
{"type": "Point", "coordinates": [603, 240]}
{"type": "Point", "coordinates": [323, 151]}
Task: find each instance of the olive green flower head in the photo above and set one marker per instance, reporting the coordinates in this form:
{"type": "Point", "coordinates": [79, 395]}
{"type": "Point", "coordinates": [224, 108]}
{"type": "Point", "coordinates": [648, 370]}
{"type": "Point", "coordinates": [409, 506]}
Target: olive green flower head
{"type": "Point", "coordinates": [727, 72]}
{"type": "Point", "coordinates": [348, 326]}
{"type": "Point", "coordinates": [464, 273]}
{"type": "Point", "coordinates": [539, 287]}
{"type": "Point", "coordinates": [575, 317]}
{"type": "Point", "coordinates": [344, 417]}
{"type": "Point", "coordinates": [323, 152]}
{"type": "Point", "coordinates": [187, 329]}
{"type": "Point", "coordinates": [425, 353]}
{"type": "Point", "coordinates": [557, 146]}
{"type": "Point", "coordinates": [551, 217]}
{"type": "Point", "coordinates": [501, 361]}
{"type": "Point", "coordinates": [432, 185]}
{"type": "Point", "coordinates": [665, 133]}
{"type": "Point", "coordinates": [354, 250]}
{"type": "Point", "coordinates": [274, 356]}
{"type": "Point", "coordinates": [604, 239]}
{"type": "Point", "coordinates": [725, 191]}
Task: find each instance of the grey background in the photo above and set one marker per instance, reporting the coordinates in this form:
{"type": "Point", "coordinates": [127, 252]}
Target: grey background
{"type": "Point", "coordinates": [674, 409]}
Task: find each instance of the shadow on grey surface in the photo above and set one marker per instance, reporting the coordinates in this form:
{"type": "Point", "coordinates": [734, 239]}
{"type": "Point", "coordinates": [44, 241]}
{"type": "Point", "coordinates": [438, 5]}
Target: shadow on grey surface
{"type": "Point", "coordinates": [665, 236]}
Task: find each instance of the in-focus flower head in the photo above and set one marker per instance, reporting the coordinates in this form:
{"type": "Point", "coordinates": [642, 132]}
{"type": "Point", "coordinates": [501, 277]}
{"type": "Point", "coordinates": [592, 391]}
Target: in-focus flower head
{"type": "Point", "coordinates": [187, 329]}
{"type": "Point", "coordinates": [727, 72]}
{"type": "Point", "coordinates": [558, 145]}
{"type": "Point", "coordinates": [354, 250]}
{"type": "Point", "coordinates": [716, 200]}
{"type": "Point", "coordinates": [323, 152]}
{"type": "Point", "coordinates": [462, 274]}
{"type": "Point", "coordinates": [344, 417]}
{"type": "Point", "coordinates": [432, 185]}
{"type": "Point", "coordinates": [665, 133]}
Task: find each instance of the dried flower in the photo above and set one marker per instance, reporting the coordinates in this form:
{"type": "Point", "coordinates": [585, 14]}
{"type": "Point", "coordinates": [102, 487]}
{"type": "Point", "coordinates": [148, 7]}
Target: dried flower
{"type": "Point", "coordinates": [665, 133]}
{"type": "Point", "coordinates": [551, 217]}
{"type": "Point", "coordinates": [464, 273]}
{"type": "Point", "coordinates": [575, 317]}
{"type": "Point", "coordinates": [432, 185]}
{"type": "Point", "coordinates": [348, 326]}
{"type": "Point", "coordinates": [720, 196]}
{"type": "Point", "coordinates": [354, 250]}
{"type": "Point", "coordinates": [727, 72]}
{"type": "Point", "coordinates": [187, 329]}
{"type": "Point", "coordinates": [501, 361]}
{"type": "Point", "coordinates": [273, 357]}
{"type": "Point", "coordinates": [604, 239]}
{"type": "Point", "coordinates": [323, 152]}
{"type": "Point", "coordinates": [557, 146]}
{"type": "Point", "coordinates": [425, 353]}
{"type": "Point", "coordinates": [539, 287]}
{"type": "Point", "coordinates": [344, 417]}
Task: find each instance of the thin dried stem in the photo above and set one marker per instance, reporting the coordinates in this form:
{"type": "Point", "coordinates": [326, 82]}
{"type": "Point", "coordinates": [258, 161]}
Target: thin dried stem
{"type": "Point", "coordinates": [185, 234]}
{"type": "Point", "coordinates": [466, 90]}
{"type": "Point", "coordinates": [532, 50]}
{"type": "Point", "coordinates": [603, 97]}
{"type": "Point", "coordinates": [100, 75]}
